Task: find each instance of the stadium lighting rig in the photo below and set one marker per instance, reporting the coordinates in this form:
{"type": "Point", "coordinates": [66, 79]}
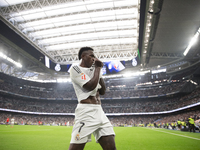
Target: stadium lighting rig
{"type": "Point", "coordinates": [193, 82]}
{"type": "Point", "coordinates": [140, 73]}
{"type": "Point", "coordinates": [59, 28]}
{"type": "Point", "coordinates": [64, 80]}
{"type": "Point", "coordinates": [193, 40]}
{"type": "Point", "coordinates": [10, 60]}
{"type": "Point", "coordinates": [158, 71]}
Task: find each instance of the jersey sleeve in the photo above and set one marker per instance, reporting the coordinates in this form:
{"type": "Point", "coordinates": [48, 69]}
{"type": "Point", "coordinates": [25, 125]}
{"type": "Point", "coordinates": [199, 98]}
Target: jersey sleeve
{"type": "Point", "coordinates": [78, 76]}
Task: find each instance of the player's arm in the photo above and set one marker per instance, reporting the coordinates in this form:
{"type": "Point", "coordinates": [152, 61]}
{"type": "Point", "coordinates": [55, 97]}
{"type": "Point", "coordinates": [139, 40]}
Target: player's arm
{"type": "Point", "coordinates": [102, 90]}
{"type": "Point", "coordinates": [92, 84]}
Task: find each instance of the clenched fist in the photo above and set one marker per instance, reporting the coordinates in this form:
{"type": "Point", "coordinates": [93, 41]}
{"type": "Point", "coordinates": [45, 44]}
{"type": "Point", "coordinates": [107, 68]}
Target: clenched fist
{"type": "Point", "coordinates": [98, 63]}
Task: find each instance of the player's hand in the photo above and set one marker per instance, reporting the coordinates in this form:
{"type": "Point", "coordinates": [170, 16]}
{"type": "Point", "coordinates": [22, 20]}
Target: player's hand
{"type": "Point", "coordinates": [98, 63]}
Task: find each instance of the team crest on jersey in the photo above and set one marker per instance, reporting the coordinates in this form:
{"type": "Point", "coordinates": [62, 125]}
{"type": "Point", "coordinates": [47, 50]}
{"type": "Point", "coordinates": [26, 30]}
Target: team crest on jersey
{"type": "Point", "coordinates": [77, 137]}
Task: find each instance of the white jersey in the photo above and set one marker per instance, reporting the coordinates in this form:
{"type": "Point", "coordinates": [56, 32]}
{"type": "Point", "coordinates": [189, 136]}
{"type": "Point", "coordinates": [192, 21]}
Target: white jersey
{"type": "Point", "coordinates": [197, 122]}
{"type": "Point", "coordinates": [12, 121]}
{"type": "Point", "coordinates": [80, 76]}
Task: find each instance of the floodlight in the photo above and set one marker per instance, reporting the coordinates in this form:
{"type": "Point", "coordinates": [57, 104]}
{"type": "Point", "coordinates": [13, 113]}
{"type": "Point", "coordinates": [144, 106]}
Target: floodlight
{"type": "Point", "coordinates": [64, 80]}
{"type": "Point", "coordinates": [193, 40]}
{"type": "Point", "coordinates": [158, 71]}
{"type": "Point", "coordinates": [10, 60]}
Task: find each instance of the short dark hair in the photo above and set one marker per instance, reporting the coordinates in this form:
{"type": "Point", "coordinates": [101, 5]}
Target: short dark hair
{"type": "Point", "coordinates": [82, 50]}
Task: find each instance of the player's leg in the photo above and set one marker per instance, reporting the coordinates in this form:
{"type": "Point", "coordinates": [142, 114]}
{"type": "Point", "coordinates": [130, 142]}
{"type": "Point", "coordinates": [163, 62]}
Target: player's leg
{"type": "Point", "coordinates": [193, 127]}
{"type": "Point", "coordinates": [79, 136]}
{"type": "Point", "coordinates": [76, 146]}
{"type": "Point", "coordinates": [190, 127]}
{"type": "Point", "coordinates": [107, 142]}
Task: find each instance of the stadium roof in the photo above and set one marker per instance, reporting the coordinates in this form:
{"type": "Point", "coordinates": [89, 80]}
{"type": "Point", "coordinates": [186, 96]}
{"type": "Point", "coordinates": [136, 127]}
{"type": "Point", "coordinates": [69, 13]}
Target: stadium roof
{"type": "Point", "coordinates": [59, 28]}
{"type": "Point", "coordinates": [117, 29]}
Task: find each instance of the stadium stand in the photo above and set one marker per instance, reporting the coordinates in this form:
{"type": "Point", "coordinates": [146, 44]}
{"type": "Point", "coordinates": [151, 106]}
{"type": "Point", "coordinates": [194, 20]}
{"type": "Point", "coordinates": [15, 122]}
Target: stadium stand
{"type": "Point", "coordinates": [123, 97]}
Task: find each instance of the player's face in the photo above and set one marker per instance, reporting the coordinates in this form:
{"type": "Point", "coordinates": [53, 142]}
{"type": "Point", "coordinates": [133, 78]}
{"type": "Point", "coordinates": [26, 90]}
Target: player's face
{"type": "Point", "coordinates": [89, 58]}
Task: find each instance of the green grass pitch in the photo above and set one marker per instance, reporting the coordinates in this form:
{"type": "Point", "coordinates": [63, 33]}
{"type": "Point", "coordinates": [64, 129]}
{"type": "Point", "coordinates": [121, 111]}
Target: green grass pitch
{"type": "Point", "coordinates": [127, 138]}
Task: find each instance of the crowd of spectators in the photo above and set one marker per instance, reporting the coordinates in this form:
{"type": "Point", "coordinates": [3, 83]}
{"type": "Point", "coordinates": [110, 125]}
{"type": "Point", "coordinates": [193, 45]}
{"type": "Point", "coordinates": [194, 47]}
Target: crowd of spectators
{"type": "Point", "coordinates": [121, 92]}
{"type": "Point", "coordinates": [115, 88]}
{"type": "Point", "coordinates": [24, 119]}
{"type": "Point", "coordinates": [37, 105]}
{"type": "Point", "coordinates": [115, 120]}
{"type": "Point", "coordinates": [183, 117]}
{"type": "Point", "coordinates": [158, 104]}
{"type": "Point", "coordinates": [152, 105]}
{"type": "Point", "coordinates": [116, 100]}
{"type": "Point", "coordinates": [66, 90]}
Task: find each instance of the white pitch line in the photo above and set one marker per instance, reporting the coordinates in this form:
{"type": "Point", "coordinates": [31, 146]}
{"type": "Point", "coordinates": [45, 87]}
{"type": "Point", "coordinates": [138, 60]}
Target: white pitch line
{"type": "Point", "coordinates": [177, 134]}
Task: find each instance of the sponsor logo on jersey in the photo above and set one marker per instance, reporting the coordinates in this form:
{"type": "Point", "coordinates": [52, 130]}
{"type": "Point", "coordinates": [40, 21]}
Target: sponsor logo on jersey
{"type": "Point", "coordinates": [83, 77]}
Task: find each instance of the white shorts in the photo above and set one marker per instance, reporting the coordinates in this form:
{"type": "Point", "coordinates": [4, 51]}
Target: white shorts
{"type": "Point", "coordinates": [90, 119]}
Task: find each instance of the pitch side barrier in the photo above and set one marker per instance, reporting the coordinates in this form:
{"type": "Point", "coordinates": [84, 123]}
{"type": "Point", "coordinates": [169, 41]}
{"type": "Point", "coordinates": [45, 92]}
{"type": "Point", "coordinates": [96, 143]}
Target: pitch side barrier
{"type": "Point", "coordinates": [108, 114]}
